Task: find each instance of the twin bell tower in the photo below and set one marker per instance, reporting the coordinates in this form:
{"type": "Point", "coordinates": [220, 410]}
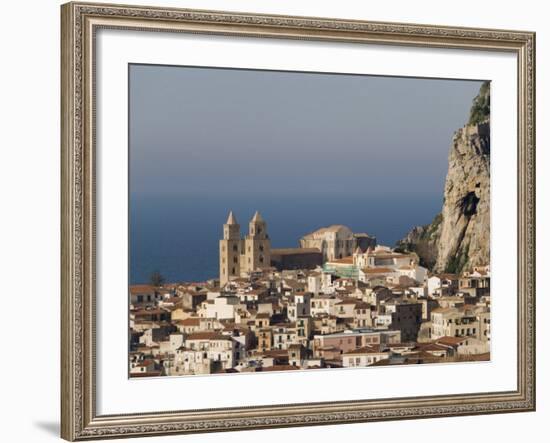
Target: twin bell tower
{"type": "Point", "coordinates": [241, 255]}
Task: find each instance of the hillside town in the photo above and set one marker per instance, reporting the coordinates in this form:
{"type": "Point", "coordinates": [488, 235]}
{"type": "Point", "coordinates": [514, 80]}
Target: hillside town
{"type": "Point", "coordinates": [339, 300]}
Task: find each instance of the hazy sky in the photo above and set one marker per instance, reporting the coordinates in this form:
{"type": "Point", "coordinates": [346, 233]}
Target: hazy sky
{"type": "Point", "coordinates": [217, 131]}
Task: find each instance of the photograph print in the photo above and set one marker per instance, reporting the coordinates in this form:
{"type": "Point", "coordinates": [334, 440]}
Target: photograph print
{"type": "Point", "coordinates": [284, 221]}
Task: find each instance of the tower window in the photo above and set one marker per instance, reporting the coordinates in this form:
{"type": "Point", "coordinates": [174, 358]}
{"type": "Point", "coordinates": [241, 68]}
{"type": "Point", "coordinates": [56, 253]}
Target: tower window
{"type": "Point", "coordinates": [262, 248]}
{"type": "Point", "coordinates": [234, 247]}
{"type": "Point", "coordinates": [233, 271]}
{"type": "Point", "coordinates": [234, 259]}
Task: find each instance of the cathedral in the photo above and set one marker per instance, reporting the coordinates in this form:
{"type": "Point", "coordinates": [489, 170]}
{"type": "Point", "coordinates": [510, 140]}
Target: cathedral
{"type": "Point", "coordinates": [241, 255]}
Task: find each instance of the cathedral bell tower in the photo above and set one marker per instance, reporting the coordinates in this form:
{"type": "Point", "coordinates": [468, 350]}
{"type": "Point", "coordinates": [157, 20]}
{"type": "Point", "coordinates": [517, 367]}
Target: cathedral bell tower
{"type": "Point", "coordinates": [257, 245]}
{"type": "Point", "coordinates": [230, 250]}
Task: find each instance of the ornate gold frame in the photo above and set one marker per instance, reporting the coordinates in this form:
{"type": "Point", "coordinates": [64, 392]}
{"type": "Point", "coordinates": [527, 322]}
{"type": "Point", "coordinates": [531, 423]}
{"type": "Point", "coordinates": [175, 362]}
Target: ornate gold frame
{"type": "Point", "coordinates": [79, 420]}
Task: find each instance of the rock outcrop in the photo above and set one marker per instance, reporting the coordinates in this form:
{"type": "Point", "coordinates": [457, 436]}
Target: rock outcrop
{"type": "Point", "coordinates": [458, 237]}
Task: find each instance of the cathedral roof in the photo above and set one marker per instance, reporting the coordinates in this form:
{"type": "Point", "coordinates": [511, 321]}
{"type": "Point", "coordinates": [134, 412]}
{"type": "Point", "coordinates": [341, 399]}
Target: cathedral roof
{"type": "Point", "coordinates": [257, 217]}
{"type": "Point", "coordinates": [332, 228]}
{"type": "Point", "coordinates": [231, 220]}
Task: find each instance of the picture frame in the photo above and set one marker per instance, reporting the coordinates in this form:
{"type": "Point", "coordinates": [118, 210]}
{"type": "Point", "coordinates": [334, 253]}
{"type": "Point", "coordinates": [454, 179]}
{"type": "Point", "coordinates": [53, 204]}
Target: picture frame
{"type": "Point", "coordinates": [80, 24]}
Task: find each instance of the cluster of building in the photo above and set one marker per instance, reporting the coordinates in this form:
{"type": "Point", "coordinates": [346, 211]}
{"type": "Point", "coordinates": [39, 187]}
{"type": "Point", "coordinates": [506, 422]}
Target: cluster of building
{"type": "Point", "coordinates": [339, 300]}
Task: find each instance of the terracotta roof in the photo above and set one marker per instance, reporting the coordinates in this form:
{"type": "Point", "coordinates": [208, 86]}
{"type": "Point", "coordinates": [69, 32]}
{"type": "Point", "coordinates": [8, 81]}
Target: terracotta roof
{"type": "Point", "coordinates": [343, 261]}
{"type": "Point", "coordinates": [274, 353]}
{"type": "Point", "coordinates": [145, 312]}
{"type": "Point", "coordinates": [207, 335]}
{"type": "Point", "coordinates": [369, 349]}
{"type": "Point", "coordinates": [191, 321]}
{"type": "Point", "coordinates": [141, 289]}
{"type": "Point", "coordinates": [348, 301]}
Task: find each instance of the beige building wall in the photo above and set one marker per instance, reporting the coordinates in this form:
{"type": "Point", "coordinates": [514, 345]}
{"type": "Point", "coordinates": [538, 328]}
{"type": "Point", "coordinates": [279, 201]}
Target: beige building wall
{"type": "Point", "coordinates": [230, 250]}
{"type": "Point", "coordinates": [237, 255]}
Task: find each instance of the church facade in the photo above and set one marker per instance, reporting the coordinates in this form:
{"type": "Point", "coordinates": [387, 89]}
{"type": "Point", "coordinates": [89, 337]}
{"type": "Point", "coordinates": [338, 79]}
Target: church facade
{"type": "Point", "coordinates": [242, 255]}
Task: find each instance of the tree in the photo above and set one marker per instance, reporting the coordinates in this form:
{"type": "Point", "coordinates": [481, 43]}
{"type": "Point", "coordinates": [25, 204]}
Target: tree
{"type": "Point", "coordinates": [156, 279]}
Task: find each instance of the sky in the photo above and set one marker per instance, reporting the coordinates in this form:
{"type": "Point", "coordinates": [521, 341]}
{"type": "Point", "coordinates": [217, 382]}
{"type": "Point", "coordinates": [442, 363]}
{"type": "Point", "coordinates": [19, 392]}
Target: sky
{"type": "Point", "coordinates": [208, 131]}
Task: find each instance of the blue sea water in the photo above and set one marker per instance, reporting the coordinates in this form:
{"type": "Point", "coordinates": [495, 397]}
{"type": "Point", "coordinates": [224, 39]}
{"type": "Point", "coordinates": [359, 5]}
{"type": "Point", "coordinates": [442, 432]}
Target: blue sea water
{"type": "Point", "coordinates": [178, 235]}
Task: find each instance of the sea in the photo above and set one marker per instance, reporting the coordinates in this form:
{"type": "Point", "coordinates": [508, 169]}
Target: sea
{"type": "Point", "coordinates": [178, 235]}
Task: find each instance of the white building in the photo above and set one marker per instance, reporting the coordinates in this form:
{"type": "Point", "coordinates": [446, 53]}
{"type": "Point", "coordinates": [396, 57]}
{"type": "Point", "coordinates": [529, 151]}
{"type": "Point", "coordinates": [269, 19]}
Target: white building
{"type": "Point", "coordinates": [221, 308]}
{"type": "Point", "coordinates": [299, 306]}
{"type": "Point", "coordinates": [314, 283]}
{"type": "Point", "coordinates": [201, 347]}
{"type": "Point", "coordinates": [322, 304]}
{"type": "Point", "coordinates": [364, 356]}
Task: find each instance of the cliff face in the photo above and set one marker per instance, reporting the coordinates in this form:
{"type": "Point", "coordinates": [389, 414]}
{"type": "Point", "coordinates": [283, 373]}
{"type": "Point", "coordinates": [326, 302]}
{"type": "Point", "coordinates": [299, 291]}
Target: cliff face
{"type": "Point", "coordinates": [458, 238]}
{"type": "Point", "coordinates": [464, 235]}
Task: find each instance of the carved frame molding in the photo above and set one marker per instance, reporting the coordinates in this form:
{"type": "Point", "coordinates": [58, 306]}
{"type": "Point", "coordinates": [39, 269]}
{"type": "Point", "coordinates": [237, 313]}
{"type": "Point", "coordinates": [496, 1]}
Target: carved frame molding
{"type": "Point", "coordinates": [79, 24]}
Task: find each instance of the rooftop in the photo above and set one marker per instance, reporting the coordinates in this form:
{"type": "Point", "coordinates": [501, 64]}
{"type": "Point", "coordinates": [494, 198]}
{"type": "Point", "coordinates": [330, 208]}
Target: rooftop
{"type": "Point", "coordinates": [294, 251]}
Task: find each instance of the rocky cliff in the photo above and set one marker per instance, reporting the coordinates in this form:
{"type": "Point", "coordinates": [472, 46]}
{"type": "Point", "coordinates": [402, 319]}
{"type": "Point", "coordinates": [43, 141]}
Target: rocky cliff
{"type": "Point", "coordinates": [458, 237]}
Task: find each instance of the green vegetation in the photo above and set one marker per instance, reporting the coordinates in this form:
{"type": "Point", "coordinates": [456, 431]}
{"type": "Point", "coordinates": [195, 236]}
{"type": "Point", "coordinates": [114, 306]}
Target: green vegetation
{"type": "Point", "coordinates": [458, 262]}
{"type": "Point", "coordinates": [433, 226]}
{"type": "Point", "coordinates": [481, 106]}
{"type": "Point", "coordinates": [425, 243]}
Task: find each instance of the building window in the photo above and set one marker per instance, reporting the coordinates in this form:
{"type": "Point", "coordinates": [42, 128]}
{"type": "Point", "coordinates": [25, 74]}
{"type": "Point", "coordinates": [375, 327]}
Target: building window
{"type": "Point", "coordinates": [234, 247]}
